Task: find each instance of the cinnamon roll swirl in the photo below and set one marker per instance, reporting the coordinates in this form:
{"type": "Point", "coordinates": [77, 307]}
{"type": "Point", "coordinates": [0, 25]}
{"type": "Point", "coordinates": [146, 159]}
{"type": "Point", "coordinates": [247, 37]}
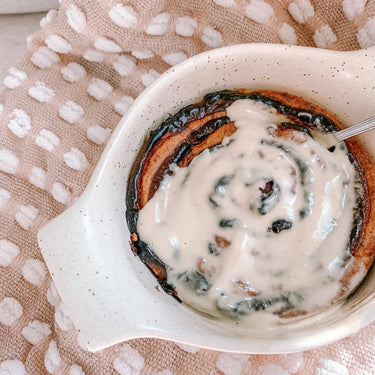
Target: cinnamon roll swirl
{"type": "Point", "coordinates": [237, 209]}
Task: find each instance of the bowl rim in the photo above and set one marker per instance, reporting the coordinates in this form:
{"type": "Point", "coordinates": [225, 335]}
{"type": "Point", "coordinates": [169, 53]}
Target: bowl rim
{"type": "Point", "coordinates": [348, 326]}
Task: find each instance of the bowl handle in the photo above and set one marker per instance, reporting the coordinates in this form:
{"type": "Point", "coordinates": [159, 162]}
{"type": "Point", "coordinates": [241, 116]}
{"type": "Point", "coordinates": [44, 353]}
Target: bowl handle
{"type": "Point", "coordinates": [94, 272]}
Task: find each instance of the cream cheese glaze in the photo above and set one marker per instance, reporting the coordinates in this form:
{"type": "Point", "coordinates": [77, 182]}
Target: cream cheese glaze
{"type": "Point", "coordinates": [259, 222]}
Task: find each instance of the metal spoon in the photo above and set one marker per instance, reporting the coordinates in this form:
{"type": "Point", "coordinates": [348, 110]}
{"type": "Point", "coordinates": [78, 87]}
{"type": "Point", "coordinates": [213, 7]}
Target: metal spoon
{"type": "Point", "coordinates": [331, 139]}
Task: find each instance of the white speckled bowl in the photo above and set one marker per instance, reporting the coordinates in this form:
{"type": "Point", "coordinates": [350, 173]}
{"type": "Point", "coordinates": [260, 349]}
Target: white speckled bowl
{"type": "Point", "coordinates": [109, 294]}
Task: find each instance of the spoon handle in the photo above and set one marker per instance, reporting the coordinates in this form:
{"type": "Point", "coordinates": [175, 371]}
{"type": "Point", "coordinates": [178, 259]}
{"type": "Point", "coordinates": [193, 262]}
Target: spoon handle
{"type": "Point", "coordinates": [359, 128]}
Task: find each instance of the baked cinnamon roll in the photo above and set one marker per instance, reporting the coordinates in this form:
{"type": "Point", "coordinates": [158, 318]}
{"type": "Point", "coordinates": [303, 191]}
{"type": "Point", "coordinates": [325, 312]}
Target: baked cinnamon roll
{"type": "Point", "coordinates": [236, 208]}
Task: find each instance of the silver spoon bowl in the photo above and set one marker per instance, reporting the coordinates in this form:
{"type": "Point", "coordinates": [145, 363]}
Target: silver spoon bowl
{"type": "Point", "coordinates": [331, 139]}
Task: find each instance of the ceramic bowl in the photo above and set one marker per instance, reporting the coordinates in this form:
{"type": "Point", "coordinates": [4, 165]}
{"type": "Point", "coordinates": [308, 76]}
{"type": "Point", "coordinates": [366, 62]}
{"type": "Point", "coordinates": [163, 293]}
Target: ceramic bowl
{"type": "Point", "coordinates": [109, 293]}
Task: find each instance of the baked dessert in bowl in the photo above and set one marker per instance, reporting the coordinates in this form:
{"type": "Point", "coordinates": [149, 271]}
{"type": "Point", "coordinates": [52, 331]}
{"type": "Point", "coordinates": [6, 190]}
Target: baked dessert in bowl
{"type": "Point", "coordinates": [237, 208]}
{"type": "Point", "coordinates": [110, 295]}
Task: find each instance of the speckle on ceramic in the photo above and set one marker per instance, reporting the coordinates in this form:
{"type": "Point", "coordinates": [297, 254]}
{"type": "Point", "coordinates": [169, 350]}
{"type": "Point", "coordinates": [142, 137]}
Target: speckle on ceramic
{"type": "Point", "coordinates": [289, 68]}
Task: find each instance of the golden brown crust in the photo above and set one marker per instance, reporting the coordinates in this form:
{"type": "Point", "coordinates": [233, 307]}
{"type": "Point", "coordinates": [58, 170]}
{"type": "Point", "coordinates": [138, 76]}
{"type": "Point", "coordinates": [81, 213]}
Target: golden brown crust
{"type": "Point", "coordinates": [160, 156]}
{"type": "Point", "coordinates": [180, 144]}
{"type": "Point", "coordinates": [364, 249]}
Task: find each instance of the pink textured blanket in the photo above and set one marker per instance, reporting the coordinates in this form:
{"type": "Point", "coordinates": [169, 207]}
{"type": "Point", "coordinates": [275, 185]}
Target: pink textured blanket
{"type": "Point", "coordinates": [80, 74]}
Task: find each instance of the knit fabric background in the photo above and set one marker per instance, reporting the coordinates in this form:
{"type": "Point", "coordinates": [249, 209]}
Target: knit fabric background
{"type": "Point", "coordinates": [80, 74]}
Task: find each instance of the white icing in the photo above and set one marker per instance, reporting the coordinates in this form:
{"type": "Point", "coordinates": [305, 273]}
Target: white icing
{"type": "Point", "coordinates": [304, 263]}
